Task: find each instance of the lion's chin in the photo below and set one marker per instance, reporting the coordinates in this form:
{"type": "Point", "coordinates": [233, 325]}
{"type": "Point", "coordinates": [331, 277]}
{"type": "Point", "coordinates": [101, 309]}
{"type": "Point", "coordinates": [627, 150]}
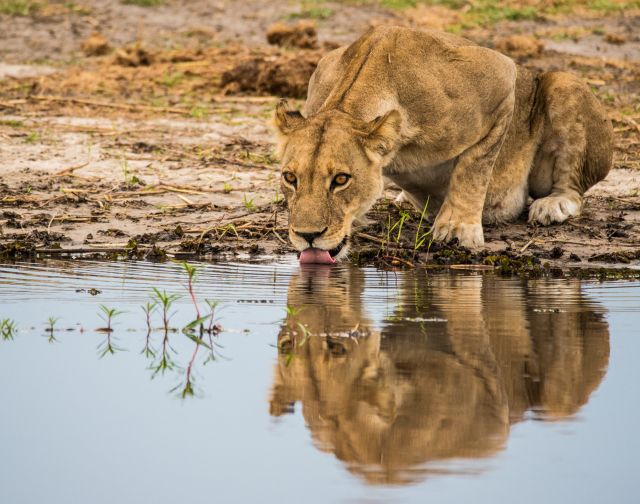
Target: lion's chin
{"type": "Point", "coordinates": [314, 255]}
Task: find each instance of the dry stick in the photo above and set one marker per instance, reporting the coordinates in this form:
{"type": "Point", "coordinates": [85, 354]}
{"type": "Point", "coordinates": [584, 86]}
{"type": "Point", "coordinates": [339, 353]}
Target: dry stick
{"type": "Point", "coordinates": [94, 103]}
{"type": "Point", "coordinates": [51, 221]}
{"type": "Point", "coordinates": [401, 261]}
{"type": "Point", "coordinates": [531, 241]}
{"type": "Point", "coordinates": [71, 169]}
{"type": "Point", "coordinates": [187, 201]}
{"type": "Point", "coordinates": [278, 236]}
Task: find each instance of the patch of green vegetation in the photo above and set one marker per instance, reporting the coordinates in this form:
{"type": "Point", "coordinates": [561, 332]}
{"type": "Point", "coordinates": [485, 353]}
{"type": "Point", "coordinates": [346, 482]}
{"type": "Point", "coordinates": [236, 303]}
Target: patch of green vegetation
{"type": "Point", "coordinates": [198, 112]}
{"type": "Point", "coordinates": [312, 9]}
{"type": "Point", "coordinates": [11, 123]}
{"type": "Point", "coordinates": [32, 137]}
{"type": "Point", "coordinates": [144, 3]}
{"type": "Point", "coordinates": [19, 7]}
{"type": "Point", "coordinates": [486, 12]}
{"type": "Point", "coordinates": [81, 10]}
{"type": "Point", "coordinates": [248, 203]}
{"type": "Point", "coordinates": [129, 177]}
{"type": "Point", "coordinates": [406, 4]}
{"type": "Point", "coordinates": [320, 13]}
{"type": "Point", "coordinates": [609, 6]}
{"type": "Point", "coordinates": [171, 79]}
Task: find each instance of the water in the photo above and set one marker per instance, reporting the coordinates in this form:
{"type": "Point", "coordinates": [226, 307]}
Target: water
{"type": "Point", "coordinates": [324, 385]}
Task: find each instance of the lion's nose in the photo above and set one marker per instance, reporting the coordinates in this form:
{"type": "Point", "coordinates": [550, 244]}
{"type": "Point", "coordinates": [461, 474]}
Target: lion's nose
{"type": "Point", "coordinates": [309, 236]}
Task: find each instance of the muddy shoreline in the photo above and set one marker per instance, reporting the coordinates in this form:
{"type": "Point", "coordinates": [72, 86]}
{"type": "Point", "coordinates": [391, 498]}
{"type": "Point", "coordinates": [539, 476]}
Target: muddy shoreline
{"type": "Point", "coordinates": [156, 145]}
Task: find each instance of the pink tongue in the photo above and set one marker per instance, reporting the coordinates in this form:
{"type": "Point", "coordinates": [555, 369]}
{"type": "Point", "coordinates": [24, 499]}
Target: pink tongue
{"type": "Point", "coordinates": [317, 256]}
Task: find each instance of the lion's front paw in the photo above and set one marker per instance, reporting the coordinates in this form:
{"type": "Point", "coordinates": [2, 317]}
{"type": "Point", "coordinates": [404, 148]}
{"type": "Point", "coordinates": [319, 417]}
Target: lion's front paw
{"type": "Point", "coordinates": [446, 228]}
{"type": "Point", "coordinates": [554, 209]}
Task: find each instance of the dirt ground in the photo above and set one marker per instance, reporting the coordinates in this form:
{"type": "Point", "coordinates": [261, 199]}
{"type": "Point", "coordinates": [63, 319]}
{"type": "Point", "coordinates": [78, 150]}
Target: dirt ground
{"type": "Point", "coordinates": [144, 131]}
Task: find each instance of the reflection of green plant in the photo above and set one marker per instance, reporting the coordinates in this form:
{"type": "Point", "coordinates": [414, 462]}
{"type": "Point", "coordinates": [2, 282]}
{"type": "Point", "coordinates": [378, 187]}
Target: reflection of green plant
{"type": "Point", "coordinates": [107, 346]}
{"type": "Point", "coordinates": [292, 311]}
{"type": "Point", "coordinates": [294, 329]}
{"type": "Point", "coordinates": [51, 322]}
{"type": "Point", "coordinates": [8, 329]}
{"type": "Point", "coordinates": [148, 310]}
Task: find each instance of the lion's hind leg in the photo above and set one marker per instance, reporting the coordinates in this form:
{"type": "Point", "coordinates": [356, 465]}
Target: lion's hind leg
{"type": "Point", "coordinates": [575, 151]}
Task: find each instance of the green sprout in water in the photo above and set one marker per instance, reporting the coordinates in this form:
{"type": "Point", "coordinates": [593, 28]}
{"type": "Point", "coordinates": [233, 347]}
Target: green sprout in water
{"type": "Point", "coordinates": [8, 329]}
{"type": "Point", "coordinates": [107, 346]}
{"type": "Point", "coordinates": [108, 314]}
{"type": "Point", "coordinates": [51, 322]}
{"type": "Point", "coordinates": [191, 275]}
{"type": "Point", "coordinates": [165, 301]}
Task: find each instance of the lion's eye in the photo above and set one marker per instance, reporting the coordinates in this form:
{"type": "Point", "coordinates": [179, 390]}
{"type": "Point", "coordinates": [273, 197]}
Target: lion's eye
{"type": "Point", "coordinates": [290, 178]}
{"type": "Point", "coordinates": [340, 179]}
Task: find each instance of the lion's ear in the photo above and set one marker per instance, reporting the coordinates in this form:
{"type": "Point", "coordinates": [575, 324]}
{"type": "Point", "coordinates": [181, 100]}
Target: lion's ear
{"type": "Point", "coordinates": [286, 119]}
{"type": "Point", "coordinates": [382, 134]}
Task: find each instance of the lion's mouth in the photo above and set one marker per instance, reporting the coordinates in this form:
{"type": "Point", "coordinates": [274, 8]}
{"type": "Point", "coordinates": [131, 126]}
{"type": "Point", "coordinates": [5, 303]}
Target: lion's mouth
{"type": "Point", "coordinates": [314, 255]}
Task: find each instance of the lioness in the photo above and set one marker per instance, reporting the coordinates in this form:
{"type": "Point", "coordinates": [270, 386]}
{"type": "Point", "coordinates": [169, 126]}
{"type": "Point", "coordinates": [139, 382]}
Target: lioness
{"type": "Point", "coordinates": [452, 123]}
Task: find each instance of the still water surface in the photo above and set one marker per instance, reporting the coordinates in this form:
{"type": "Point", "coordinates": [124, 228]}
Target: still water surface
{"type": "Point", "coordinates": [323, 385]}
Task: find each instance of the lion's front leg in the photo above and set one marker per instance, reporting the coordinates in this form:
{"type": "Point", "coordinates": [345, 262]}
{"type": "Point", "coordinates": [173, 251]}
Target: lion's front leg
{"type": "Point", "coordinates": [460, 215]}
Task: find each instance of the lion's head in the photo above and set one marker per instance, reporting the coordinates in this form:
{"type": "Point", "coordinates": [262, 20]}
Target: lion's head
{"type": "Point", "coordinates": [331, 174]}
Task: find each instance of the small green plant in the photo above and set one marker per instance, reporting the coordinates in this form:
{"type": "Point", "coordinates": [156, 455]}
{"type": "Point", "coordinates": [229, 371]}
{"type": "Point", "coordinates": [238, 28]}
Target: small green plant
{"type": "Point", "coordinates": [8, 329]}
{"type": "Point", "coordinates": [191, 275]}
{"type": "Point", "coordinates": [165, 301]}
{"type": "Point", "coordinates": [226, 188]}
{"type": "Point", "coordinates": [397, 226]}
{"type": "Point", "coordinates": [107, 346]}
{"type": "Point", "coordinates": [108, 314]}
{"type": "Point", "coordinates": [248, 203]}
{"type": "Point", "coordinates": [130, 178]}
{"type": "Point", "coordinates": [51, 322]}
{"type": "Point", "coordinates": [229, 228]}
{"type": "Point", "coordinates": [277, 198]}
{"type": "Point", "coordinates": [421, 237]}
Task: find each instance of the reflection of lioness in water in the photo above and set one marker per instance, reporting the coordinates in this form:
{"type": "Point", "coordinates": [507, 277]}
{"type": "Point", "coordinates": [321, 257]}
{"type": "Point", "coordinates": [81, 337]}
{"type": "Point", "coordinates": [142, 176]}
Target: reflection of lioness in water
{"type": "Point", "coordinates": [451, 123]}
{"type": "Point", "coordinates": [458, 360]}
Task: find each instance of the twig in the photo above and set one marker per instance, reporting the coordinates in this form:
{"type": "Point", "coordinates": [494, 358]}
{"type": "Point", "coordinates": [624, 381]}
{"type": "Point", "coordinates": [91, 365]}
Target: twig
{"type": "Point", "coordinates": [278, 236]}
{"type": "Point", "coordinates": [120, 106]}
{"type": "Point", "coordinates": [531, 241]}
{"type": "Point", "coordinates": [71, 169]}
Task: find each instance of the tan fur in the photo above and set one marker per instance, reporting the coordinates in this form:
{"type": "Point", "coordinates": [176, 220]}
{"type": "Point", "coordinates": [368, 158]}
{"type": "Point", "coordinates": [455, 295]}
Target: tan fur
{"type": "Point", "coordinates": [389, 401]}
{"type": "Point", "coordinates": [446, 120]}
